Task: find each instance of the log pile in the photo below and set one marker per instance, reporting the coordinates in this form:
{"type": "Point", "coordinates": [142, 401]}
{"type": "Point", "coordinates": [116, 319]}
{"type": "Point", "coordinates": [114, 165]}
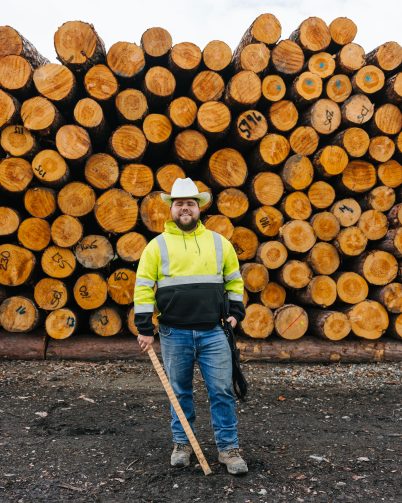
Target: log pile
{"type": "Point", "coordinates": [298, 139]}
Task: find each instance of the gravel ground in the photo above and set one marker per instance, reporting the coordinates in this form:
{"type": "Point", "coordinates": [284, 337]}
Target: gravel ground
{"type": "Point", "coordinates": [99, 432]}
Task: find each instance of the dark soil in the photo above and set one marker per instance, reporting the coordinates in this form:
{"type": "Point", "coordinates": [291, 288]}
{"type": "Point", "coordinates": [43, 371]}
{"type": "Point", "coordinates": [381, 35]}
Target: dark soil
{"type": "Point", "coordinates": [99, 432]}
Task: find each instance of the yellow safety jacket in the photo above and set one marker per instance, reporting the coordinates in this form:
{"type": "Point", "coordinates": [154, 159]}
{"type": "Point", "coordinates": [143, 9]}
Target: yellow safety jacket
{"type": "Point", "coordinates": [191, 271]}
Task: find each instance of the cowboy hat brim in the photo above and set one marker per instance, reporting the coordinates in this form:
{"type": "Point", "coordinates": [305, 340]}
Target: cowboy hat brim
{"type": "Point", "coordinates": [203, 198]}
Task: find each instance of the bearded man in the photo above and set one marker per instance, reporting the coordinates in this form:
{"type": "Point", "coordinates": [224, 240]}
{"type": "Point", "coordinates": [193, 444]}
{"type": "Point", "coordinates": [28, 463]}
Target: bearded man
{"type": "Point", "coordinates": [193, 268]}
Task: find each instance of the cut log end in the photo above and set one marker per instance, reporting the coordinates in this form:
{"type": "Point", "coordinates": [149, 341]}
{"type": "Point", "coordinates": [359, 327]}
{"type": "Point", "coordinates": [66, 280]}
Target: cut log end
{"type": "Point", "coordinates": [105, 321]}
{"type": "Point", "coordinates": [154, 212]}
{"type": "Point", "coordinates": [120, 286]}
{"type": "Point", "coordinates": [217, 55]}
{"type": "Point", "coordinates": [343, 30]}
{"type": "Point", "coordinates": [90, 291]}
{"type": "Point", "coordinates": [255, 276]}
{"type": "Point", "coordinates": [17, 265]}
{"type": "Point", "coordinates": [61, 323]}
{"type": "Point", "coordinates": [291, 322]}
{"type": "Point", "coordinates": [50, 294]}
{"type": "Point", "coordinates": [351, 287]}
{"type": "Point", "coordinates": [368, 319]}
{"type": "Point", "coordinates": [78, 45]}
{"type": "Point", "coordinates": [18, 314]}
{"type": "Point", "coordinates": [130, 246]}
{"type": "Point", "coordinates": [116, 211]}
{"type": "Point", "coordinates": [258, 322]}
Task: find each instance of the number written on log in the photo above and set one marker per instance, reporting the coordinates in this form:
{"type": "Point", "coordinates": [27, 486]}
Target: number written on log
{"type": "Point", "coordinates": [18, 130]}
{"type": "Point", "coordinates": [238, 249]}
{"type": "Point", "coordinates": [70, 321]}
{"type": "Point", "coordinates": [345, 208]}
{"type": "Point", "coordinates": [264, 221]}
{"type": "Point", "coordinates": [329, 115]}
{"type": "Point", "coordinates": [363, 113]}
{"type": "Point", "coordinates": [21, 310]}
{"type": "Point", "coordinates": [4, 258]}
{"type": "Point", "coordinates": [40, 171]}
{"type": "Point", "coordinates": [56, 298]}
{"type": "Point", "coordinates": [247, 124]}
{"type": "Point", "coordinates": [90, 246]}
{"type": "Point", "coordinates": [60, 261]}
{"type": "Point", "coordinates": [121, 275]}
{"type": "Point", "coordinates": [84, 292]}
{"type": "Point", "coordinates": [104, 320]}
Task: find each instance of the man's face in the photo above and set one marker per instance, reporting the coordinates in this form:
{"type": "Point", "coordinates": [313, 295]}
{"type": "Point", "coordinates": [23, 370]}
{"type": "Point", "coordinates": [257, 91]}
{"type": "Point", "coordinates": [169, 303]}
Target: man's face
{"type": "Point", "coordinates": [185, 213]}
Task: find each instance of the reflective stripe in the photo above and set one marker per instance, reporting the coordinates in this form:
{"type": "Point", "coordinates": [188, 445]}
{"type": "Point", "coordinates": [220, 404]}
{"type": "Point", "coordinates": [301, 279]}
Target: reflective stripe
{"type": "Point", "coordinates": [235, 296]}
{"type": "Point", "coordinates": [218, 251]}
{"type": "Point", "coordinates": [144, 308]}
{"type": "Point", "coordinates": [144, 282]}
{"type": "Point", "coordinates": [234, 275]}
{"type": "Point", "coordinates": [164, 254]}
{"type": "Point", "coordinates": [188, 280]}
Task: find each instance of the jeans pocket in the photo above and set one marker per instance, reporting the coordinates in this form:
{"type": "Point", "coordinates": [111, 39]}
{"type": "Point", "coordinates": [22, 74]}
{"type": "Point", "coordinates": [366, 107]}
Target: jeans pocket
{"type": "Point", "coordinates": [164, 330]}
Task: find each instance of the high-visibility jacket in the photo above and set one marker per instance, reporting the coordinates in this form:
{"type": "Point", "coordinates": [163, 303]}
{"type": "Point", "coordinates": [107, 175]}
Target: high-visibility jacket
{"type": "Point", "coordinates": [191, 271]}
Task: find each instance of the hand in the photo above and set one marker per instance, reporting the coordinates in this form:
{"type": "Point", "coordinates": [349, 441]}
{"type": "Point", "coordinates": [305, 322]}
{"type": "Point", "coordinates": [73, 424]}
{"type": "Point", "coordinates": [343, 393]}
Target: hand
{"type": "Point", "coordinates": [232, 320]}
{"type": "Point", "coordinates": [145, 342]}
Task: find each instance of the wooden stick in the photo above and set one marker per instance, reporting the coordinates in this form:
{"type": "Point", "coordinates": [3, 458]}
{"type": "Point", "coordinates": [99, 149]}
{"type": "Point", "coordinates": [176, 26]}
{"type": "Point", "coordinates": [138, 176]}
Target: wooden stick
{"type": "Point", "coordinates": [179, 411]}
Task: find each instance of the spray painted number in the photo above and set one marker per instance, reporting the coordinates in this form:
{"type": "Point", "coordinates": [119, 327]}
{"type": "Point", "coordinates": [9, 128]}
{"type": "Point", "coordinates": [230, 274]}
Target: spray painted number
{"type": "Point", "coordinates": [70, 321]}
{"type": "Point", "coordinates": [18, 130]}
{"type": "Point", "coordinates": [84, 292]}
{"type": "Point", "coordinates": [4, 258]}
{"type": "Point", "coordinates": [21, 310]}
{"type": "Point", "coordinates": [121, 275]}
{"type": "Point", "coordinates": [364, 111]}
{"type": "Point", "coordinates": [264, 221]}
{"type": "Point", "coordinates": [329, 115]}
{"type": "Point", "coordinates": [40, 171]}
{"type": "Point", "coordinates": [238, 249]}
{"type": "Point", "coordinates": [247, 124]}
{"type": "Point", "coordinates": [56, 298]}
{"type": "Point", "coordinates": [345, 208]}
{"type": "Point", "coordinates": [61, 261]}
{"type": "Point", "coordinates": [90, 246]}
{"type": "Point", "coordinates": [104, 320]}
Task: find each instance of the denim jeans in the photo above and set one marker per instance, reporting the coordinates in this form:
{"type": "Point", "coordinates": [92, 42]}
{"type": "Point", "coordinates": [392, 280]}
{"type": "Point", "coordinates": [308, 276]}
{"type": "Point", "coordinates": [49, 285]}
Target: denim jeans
{"type": "Point", "coordinates": [181, 348]}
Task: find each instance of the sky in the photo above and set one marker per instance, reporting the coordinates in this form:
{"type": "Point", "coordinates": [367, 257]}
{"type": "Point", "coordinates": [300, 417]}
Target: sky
{"type": "Point", "coordinates": [197, 21]}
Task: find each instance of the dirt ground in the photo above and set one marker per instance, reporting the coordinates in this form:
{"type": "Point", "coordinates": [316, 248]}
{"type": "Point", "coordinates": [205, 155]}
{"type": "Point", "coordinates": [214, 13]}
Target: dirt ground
{"type": "Point", "coordinates": [99, 432]}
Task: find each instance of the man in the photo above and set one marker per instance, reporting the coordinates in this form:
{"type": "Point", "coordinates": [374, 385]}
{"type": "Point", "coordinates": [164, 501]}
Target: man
{"type": "Point", "coordinates": [192, 267]}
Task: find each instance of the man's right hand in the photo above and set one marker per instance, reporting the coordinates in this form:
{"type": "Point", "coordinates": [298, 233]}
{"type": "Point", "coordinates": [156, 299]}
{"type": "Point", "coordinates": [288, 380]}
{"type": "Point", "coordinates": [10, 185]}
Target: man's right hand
{"type": "Point", "coordinates": [145, 342]}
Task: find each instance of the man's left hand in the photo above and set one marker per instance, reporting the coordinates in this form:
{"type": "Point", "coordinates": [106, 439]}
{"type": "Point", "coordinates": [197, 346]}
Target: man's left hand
{"type": "Point", "coordinates": [232, 320]}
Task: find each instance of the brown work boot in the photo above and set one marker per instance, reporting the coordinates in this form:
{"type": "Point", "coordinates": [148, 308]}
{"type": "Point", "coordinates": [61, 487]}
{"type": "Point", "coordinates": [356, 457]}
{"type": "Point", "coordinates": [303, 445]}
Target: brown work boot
{"type": "Point", "coordinates": [181, 455]}
{"type": "Point", "coordinates": [235, 464]}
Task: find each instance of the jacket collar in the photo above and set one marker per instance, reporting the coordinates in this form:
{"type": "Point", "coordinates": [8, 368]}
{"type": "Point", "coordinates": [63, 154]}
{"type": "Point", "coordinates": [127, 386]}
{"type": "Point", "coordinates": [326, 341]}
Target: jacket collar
{"type": "Point", "coordinates": [171, 228]}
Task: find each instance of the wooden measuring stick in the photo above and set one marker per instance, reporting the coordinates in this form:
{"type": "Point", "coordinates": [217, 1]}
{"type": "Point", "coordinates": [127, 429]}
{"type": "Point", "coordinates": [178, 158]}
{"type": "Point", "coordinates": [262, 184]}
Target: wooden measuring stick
{"type": "Point", "coordinates": [179, 411]}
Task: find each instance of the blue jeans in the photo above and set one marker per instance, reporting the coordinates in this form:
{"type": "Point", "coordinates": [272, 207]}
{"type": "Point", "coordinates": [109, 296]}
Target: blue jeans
{"type": "Point", "coordinates": [181, 348]}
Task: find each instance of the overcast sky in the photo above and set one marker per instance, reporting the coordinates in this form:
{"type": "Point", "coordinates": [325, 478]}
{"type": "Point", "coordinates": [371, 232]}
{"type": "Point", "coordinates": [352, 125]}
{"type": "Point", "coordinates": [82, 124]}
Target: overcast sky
{"type": "Point", "coordinates": [197, 21]}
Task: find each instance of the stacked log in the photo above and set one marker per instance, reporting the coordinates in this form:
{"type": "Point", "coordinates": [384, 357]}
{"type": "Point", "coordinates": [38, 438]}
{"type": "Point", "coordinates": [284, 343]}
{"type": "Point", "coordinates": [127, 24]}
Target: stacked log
{"type": "Point", "coordinates": [299, 142]}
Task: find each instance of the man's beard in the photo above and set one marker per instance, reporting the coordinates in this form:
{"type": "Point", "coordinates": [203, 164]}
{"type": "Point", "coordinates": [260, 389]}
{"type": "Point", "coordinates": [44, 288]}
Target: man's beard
{"type": "Point", "coordinates": [192, 224]}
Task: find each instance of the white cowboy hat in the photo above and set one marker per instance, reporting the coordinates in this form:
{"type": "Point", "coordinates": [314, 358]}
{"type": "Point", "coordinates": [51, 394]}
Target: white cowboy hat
{"type": "Point", "coordinates": [187, 189]}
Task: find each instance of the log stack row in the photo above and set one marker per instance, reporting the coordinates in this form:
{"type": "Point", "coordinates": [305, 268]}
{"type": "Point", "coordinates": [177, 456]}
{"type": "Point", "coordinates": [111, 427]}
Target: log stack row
{"type": "Point", "coordinates": [298, 139]}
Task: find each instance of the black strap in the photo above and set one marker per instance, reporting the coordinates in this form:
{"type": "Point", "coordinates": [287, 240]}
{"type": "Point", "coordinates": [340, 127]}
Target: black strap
{"type": "Point", "coordinates": [240, 384]}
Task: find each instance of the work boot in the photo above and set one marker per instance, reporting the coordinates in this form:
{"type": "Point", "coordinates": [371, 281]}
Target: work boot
{"type": "Point", "coordinates": [181, 455]}
{"type": "Point", "coordinates": [235, 464]}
